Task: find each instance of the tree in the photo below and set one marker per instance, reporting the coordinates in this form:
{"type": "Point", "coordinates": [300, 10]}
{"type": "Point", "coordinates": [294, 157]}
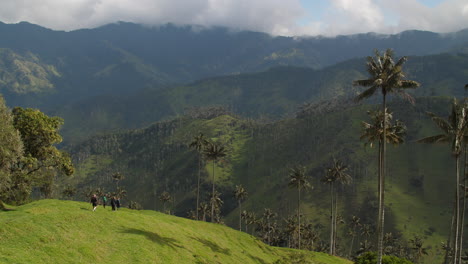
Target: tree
{"type": "Point", "coordinates": [11, 150]}
{"type": "Point", "coordinates": [418, 249]}
{"type": "Point", "coordinates": [241, 194]}
{"type": "Point", "coordinates": [213, 152]}
{"type": "Point", "coordinates": [117, 177]}
{"type": "Point", "coordinates": [298, 179]}
{"type": "Point", "coordinates": [41, 160]}
{"type": "Point", "coordinates": [218, 203]}
{"type": "Point", "coordinates": [335, 173]}
{"type": "Point", "coordinates": [165, 197]}
{"type": "Point", "coordinates": [198, 143]}
{"type": "Point", "coordinates": [454, 132]}
{"type": "Point", "coordinates": [69, 191]}
{"type": "Point", "coordinates": [388, 77]}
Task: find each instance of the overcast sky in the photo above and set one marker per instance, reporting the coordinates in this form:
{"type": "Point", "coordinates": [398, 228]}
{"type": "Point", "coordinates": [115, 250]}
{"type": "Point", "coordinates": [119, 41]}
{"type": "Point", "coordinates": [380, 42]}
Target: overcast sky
{"type": "Point", "coordinates": [278, 17]}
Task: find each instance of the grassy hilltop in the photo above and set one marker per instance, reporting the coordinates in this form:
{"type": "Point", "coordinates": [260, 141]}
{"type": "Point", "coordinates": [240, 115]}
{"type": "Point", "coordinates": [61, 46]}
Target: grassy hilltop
{"type": "Point", "coordinates": [51, 231]}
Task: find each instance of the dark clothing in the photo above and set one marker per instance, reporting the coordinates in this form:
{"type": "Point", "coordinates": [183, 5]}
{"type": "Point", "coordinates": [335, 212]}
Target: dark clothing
{"type": "Point", "coordinates": [94, 201]}
{"type": "Point", "coordinates": [117, 203]}
{"type": "Point", "coordinates": [112, 202]}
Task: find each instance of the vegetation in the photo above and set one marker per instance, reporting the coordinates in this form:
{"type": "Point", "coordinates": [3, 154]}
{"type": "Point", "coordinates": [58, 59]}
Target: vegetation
{"type": "Point", "coordinates": [387, 77]}
{"type": "Point", "coordinates": [50, 230]}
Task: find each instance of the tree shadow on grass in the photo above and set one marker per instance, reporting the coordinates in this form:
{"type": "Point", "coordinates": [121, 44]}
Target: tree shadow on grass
{"type": "Point", "coordinates": [163, 241]}
{"type": "Point", "coordinates": [213, 246]}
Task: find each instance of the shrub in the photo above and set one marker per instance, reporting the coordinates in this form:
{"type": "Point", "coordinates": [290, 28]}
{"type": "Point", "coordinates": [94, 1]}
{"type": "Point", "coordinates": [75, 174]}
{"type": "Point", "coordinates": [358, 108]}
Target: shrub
{"type": "Point", "coordinates": [371, 258]}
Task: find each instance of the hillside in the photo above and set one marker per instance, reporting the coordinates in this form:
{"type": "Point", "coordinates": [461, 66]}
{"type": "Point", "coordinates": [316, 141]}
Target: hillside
{"type": "Point", "coordinates": [51, 231]}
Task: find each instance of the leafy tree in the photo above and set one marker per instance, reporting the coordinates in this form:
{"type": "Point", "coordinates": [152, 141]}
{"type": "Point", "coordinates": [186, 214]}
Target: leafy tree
{"type": "Point", "coordinates": [11, 150]}
{"type": "Point", "coordinates": [371, 258]}
{"type": "Point", "coordinates": [388, 77]}
{"type": "Point", "coordinates": [213, 152]}
{"type": "Point", "coordinates": [298, 179]}
{"type": "Point", "coordinates": [241, 194]}
{"type": "Point", "coordinates": [69, 191]}
{"type": "Point", "coordinates": [41, 160]}
{"type": "Point", "coordinates": [454, 132]}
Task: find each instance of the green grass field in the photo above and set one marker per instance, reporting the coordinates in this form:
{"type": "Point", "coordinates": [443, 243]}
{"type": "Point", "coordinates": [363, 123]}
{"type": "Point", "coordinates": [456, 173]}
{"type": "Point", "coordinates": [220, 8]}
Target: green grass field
{"type": "Point", "coordinates": [53, 231]}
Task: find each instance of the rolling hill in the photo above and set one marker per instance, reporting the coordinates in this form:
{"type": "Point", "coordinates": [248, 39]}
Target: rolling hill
{"type": "Point", "coordinates": [51, 231]}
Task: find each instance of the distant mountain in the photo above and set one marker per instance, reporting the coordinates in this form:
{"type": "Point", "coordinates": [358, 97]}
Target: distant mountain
{"type": "Point", "coordinates": [275, 93]}
{"type": "Point", "coordinates": [124, 57]}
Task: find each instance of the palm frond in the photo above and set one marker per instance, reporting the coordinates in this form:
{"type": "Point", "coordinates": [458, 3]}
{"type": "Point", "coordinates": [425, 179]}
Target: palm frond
{"type": "Point", "coordinates": [406, 96]}
{"type": "Point", "coordinates": [434, 139]}
{"type": "Point", "coordinates": [441, 123]}
{"type": "Point", "coordinates": [408, 84]}
{"type": "Point", "coordinates": [367, 93]}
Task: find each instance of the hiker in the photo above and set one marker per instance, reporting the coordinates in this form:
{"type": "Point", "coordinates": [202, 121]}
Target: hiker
{"type": "Point", "coordinates": [112, 202]}
{"type": "Point", "coordinates": [117, 203]}
{"type": "Point", "coordinates": [94, 202]}
{"type": "Point", "coordinates": [104, 200]}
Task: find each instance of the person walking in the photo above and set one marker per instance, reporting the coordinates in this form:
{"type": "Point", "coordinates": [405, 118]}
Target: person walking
{"type": "Point", "coordinates": [112, 202]}
{"type": "Point", "coordinates": [94, 202]}
{"type": "Point", "coordinates": [104, 200]}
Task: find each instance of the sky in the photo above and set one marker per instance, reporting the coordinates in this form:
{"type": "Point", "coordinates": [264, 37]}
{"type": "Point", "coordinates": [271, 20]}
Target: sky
{"type": "Point", "coordinates": [277, 17]}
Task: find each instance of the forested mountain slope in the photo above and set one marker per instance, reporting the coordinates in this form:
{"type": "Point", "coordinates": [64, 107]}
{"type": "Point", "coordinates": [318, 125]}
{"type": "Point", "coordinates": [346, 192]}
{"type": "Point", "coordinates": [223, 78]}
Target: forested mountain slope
{"type": "Point", "coordinates": [275, 93]}
{"type": "Point", "coordinates": [157, 159]}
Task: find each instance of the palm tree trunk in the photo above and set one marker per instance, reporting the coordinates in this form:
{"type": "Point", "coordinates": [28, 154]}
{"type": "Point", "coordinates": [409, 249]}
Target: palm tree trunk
{"type": "Point", "coordinates": [335, 222]}
{"type": "Point", "coordinates": [198, 185]}
{"type": "Point", "coordinates": [331, 218]}
{"type": "Point", "coordinates": [352, 243]}
{"type": "Point", "coordinates": [240, 216]}
{"type": "Point", "coordinates": [299, 217]}
{"type": "Point", "coordinates": [449, 239]}
{"type": "Point", "coordinates": [457, 211]}
{"type": "Point", "coordinates": [382, 185]}
{"type": "Point", "coordinates": [463, 209]}
{"type": "Point", "coordinates": [212, 194]}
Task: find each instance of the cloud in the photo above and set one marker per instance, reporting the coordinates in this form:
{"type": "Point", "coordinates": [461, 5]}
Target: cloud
{"type": "Point", "coordinates": [278, 17]}
{"type": "Point", "coordinates": [274, 16]}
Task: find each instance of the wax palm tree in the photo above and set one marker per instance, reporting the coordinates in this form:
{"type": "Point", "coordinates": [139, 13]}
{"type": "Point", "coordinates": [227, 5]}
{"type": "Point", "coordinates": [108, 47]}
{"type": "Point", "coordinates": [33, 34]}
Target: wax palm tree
{"type": "Point", "coordinates": [218, 203]}
{"type": "Point", "coordinates": [388, 77]}
{"type": "Point", "coordinates": [298, 179]}
{"type": "Point", "coordinates": [417, 247]}
{"type": "Point", "coordinates": [198, 143]}
{"type": "Point", "coordinates": [454, 132]}
{"type": "Point", "coordinates": [213, 152]}
{"type": "Point", "coordinates": [165, 197]}
{"type": "Point", "coordinates": [241, 194]}
{"type": "Point", "coordinates": [203, 208]}
{"type": "Point", "coordinates": [354, 223]}
{"type": "Point", "coordinates": [117, 177]}
{"type": "Point", "coordinates": [335, 173]}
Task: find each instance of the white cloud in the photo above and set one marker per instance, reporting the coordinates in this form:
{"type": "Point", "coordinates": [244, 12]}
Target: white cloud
{"type": "Point", "coordinates": [272, 16]}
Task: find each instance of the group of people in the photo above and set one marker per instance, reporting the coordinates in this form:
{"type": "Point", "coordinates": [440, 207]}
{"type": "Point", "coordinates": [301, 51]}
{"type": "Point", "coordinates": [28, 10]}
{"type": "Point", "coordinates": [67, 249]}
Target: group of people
{"type": "Point", "coordinates": [114, 202]}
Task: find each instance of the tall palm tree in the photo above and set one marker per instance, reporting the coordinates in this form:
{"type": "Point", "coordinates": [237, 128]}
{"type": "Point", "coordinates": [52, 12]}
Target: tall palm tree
{"type": "Point", "coordinates": [241, 194]}
{"type": "Point", "coordinates": [388, 77]}
{"type": "Point", "coordinates": [454, 132]}
{"type": "Point", "coordinates": [298, 179]}
{"type": "Point", "coordinates": [213, 152]}
{"type": "Point", "coordinates": [198, 143]}
{"type": "Point", "coordinates": [335, 173]}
